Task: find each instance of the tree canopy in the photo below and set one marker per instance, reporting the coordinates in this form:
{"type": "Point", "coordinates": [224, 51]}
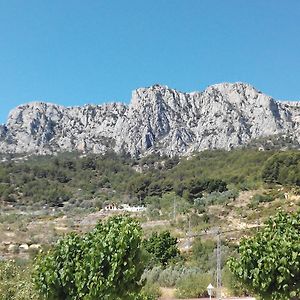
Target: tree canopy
{"type": "Point", "coordinates": [104, 264]}
{"type": "Point", "coordinates": [282, 168]}
{"type": "Point", "coordinates": [162, 247]}
{"type": "Point", "coordinates": [269, 262]}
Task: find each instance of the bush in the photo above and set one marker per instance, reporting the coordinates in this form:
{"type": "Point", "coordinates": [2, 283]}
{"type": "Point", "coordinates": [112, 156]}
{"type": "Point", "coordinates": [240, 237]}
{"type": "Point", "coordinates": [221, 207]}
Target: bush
{"type": "Point", "coordinates": [260, 198]}
{"type": "Point", "coordinates": [150, 291]}
{"type": "Point", "coordinates": [268, 262]}
{"type": "Point", "coordinates": [215, 198]}
{"type": "Point", "coordinates": [152, 275]}
{"type": "Point", "coordinates": [193, 286]}
{"type": "Point", "coordinates": [170, 276]}
{"type": "Point", "coordinates": [233, 286]}
{"type": "Point", "coordinates": [162, 247]}
{"type": "Point", "coordinates": [15, 282]}
{"type": "Point", "coordinates": [106, 263]}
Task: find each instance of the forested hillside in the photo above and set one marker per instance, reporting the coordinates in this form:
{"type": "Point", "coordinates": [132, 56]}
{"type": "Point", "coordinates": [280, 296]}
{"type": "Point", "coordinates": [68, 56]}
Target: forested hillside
{"type": "Point", "coordinates": [91, 180]}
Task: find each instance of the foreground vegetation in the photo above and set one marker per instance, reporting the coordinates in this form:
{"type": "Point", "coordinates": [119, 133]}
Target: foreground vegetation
{"type": "Point", "coordinates": [269, 262]}
{"type": "Point", "coordinates": [112, 262]}
{"type": "Point", "coordinates": [44, 198]}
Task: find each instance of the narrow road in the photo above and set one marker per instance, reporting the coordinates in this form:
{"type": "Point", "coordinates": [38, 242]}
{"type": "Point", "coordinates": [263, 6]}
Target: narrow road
{"type": "Point", "coordinates": [232, 298]}
{"type": "Point", "coordinates": [168, 294]}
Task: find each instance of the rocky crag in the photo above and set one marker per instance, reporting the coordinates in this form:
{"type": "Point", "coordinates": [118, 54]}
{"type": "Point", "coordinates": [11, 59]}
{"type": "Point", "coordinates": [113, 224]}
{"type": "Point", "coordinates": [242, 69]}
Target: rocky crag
{"type": "Point", "coordinates": [158, 119]}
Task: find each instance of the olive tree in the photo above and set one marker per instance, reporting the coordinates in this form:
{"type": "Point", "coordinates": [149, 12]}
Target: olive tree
{"type": "Point", "coordinates": [105, 263]}
{"type": "Point", "coordinates": [269, 262]}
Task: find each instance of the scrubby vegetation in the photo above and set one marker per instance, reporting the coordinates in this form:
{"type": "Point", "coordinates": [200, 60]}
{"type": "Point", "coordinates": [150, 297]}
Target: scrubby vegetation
{"type": "Point", "coordinates": [43, 198]}
{"type": "Point", "coordinates": [54, 181]}
{"type": "Point", "coordinates": [15, 282]}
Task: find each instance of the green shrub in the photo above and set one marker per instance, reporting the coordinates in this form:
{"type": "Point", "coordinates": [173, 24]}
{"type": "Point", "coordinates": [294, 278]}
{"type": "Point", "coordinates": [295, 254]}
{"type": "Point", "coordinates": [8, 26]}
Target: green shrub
{"type": "Point", "coordinates": [268, 262]}
{"type": "Point", "coordinates": [260, 198]}
{"type": "Point", "coordinates": [15, 282]}
{"type": "Point", "coordinates": [204, 256]}
{"type": "Point", "coordinates": [170, 276]}
{"type": "Point", "coordinates": [193, 286]}
{"type": "Point", "coordinates": [162, 247]}
{"type": "Point", "coordinates": [152, 275]}
{"type": "Point", "coordinates": [150, 291]}
{"type": "Point", "coordinates": [233, 286]}
{"type": "Point", "coordinates": [106, 263]}
{"type": "Point", "coordinates": [214, 198]}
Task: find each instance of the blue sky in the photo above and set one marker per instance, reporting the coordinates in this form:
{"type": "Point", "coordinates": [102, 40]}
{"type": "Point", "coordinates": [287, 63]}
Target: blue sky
{"type": "Point", "coordinates": [74, 52]}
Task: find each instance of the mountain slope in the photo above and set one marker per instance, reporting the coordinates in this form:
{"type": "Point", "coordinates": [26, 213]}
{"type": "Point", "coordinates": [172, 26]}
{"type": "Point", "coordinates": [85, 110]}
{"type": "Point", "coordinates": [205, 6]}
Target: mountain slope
{"type": "Point", "coordinates": [158, 118]}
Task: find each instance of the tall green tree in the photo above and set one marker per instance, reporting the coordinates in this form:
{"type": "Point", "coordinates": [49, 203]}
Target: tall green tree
{"type": "Point", "coordinates": [162, 247]}
{"type": "Point", "coordinates": [106, 264]}
{"type": "Point", "coordinates": [269, 262]}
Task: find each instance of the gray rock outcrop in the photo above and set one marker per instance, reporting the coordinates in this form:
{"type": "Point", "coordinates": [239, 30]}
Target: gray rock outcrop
{"type": "Point", "coordinates": [160, 119]}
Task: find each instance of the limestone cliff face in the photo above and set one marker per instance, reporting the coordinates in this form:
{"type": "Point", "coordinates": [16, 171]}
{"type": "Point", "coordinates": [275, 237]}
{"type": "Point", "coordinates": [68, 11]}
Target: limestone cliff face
{"type": "Point", "coordinates": [158, 119]}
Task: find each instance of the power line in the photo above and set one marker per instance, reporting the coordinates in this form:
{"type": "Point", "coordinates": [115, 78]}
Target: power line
{"type": "Point", "coordinates": [218, 233]}
{"type": "Point", "coordinates": [226, 231]}
{"type": "Point", "coordinates": [174, 209]}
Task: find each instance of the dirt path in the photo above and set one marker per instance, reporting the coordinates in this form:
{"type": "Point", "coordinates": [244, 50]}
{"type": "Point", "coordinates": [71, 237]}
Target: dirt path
{"type": "Point", "coordinates": [163, 298]}
{"type": "Point", "coordinates": [168, 294]}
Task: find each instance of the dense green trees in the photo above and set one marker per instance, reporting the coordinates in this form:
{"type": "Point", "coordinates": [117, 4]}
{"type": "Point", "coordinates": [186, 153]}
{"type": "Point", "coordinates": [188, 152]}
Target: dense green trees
{"type": "Point", "coordinates": [269, 262]}
{"type": "Point", "coordinates": [162, 247]}
{"type": "Point", "coordinates": [282, 168]}
{"type": "Point", "coordinates": [106, 264]}
{"type": "Point", "coordinates": [52, 181]}
{"type": "Point", "coordinates": [195, 187]}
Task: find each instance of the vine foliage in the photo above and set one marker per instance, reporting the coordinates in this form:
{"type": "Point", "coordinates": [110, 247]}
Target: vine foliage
{"type": "Point", "coordinates": [269, 262]}
{"type": "Point", "coordinates": [105, 263]}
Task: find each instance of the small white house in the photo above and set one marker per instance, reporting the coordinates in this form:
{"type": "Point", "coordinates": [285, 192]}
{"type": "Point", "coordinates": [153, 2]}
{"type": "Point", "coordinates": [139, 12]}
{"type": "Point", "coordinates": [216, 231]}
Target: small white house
{"type": "Point", "coordinates": [111, 207]}
{"type": "Point", "coordinates": [124, 207]}
{"type": "Point", "coordinates": [127, 207]}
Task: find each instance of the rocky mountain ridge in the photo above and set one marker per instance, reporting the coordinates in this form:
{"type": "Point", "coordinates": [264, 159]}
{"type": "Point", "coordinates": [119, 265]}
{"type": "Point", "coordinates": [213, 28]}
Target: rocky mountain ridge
{"type": "Point", "coordinates": [160, 119]}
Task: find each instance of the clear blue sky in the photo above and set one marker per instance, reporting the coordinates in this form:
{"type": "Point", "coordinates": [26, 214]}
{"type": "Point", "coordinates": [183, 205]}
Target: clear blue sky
{"type": "Point", "coordinates": [74, 52]}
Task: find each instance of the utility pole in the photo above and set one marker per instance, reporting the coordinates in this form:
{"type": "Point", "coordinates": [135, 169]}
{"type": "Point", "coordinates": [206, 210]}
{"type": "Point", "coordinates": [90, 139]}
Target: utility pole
{"type": "Point", "coordinates": [219, 270]}
{"type": "Point", "coordinates": [217, 233]}
{"type": "Point", "coordinates": [189, 231]}
{"type": "Point", "coordinates": [174, 210]}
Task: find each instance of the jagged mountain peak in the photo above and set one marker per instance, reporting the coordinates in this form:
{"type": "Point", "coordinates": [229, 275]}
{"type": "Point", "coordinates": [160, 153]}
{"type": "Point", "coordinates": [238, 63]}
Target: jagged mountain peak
{"type": "Point", "coordinates": [158, 118]}
{"type": "Point", "coordinates": [235, 92]}
{"type": "Point", "coordinates": [240, 88]}
{"type": "Point", "coordinates": [233, 85]}
{"type": "Point", "coordinates": [238, 93]}
{"type": "Point", "coordinates": [38, 105]}
{"type": "Point", "coordinates": [155, 87]}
